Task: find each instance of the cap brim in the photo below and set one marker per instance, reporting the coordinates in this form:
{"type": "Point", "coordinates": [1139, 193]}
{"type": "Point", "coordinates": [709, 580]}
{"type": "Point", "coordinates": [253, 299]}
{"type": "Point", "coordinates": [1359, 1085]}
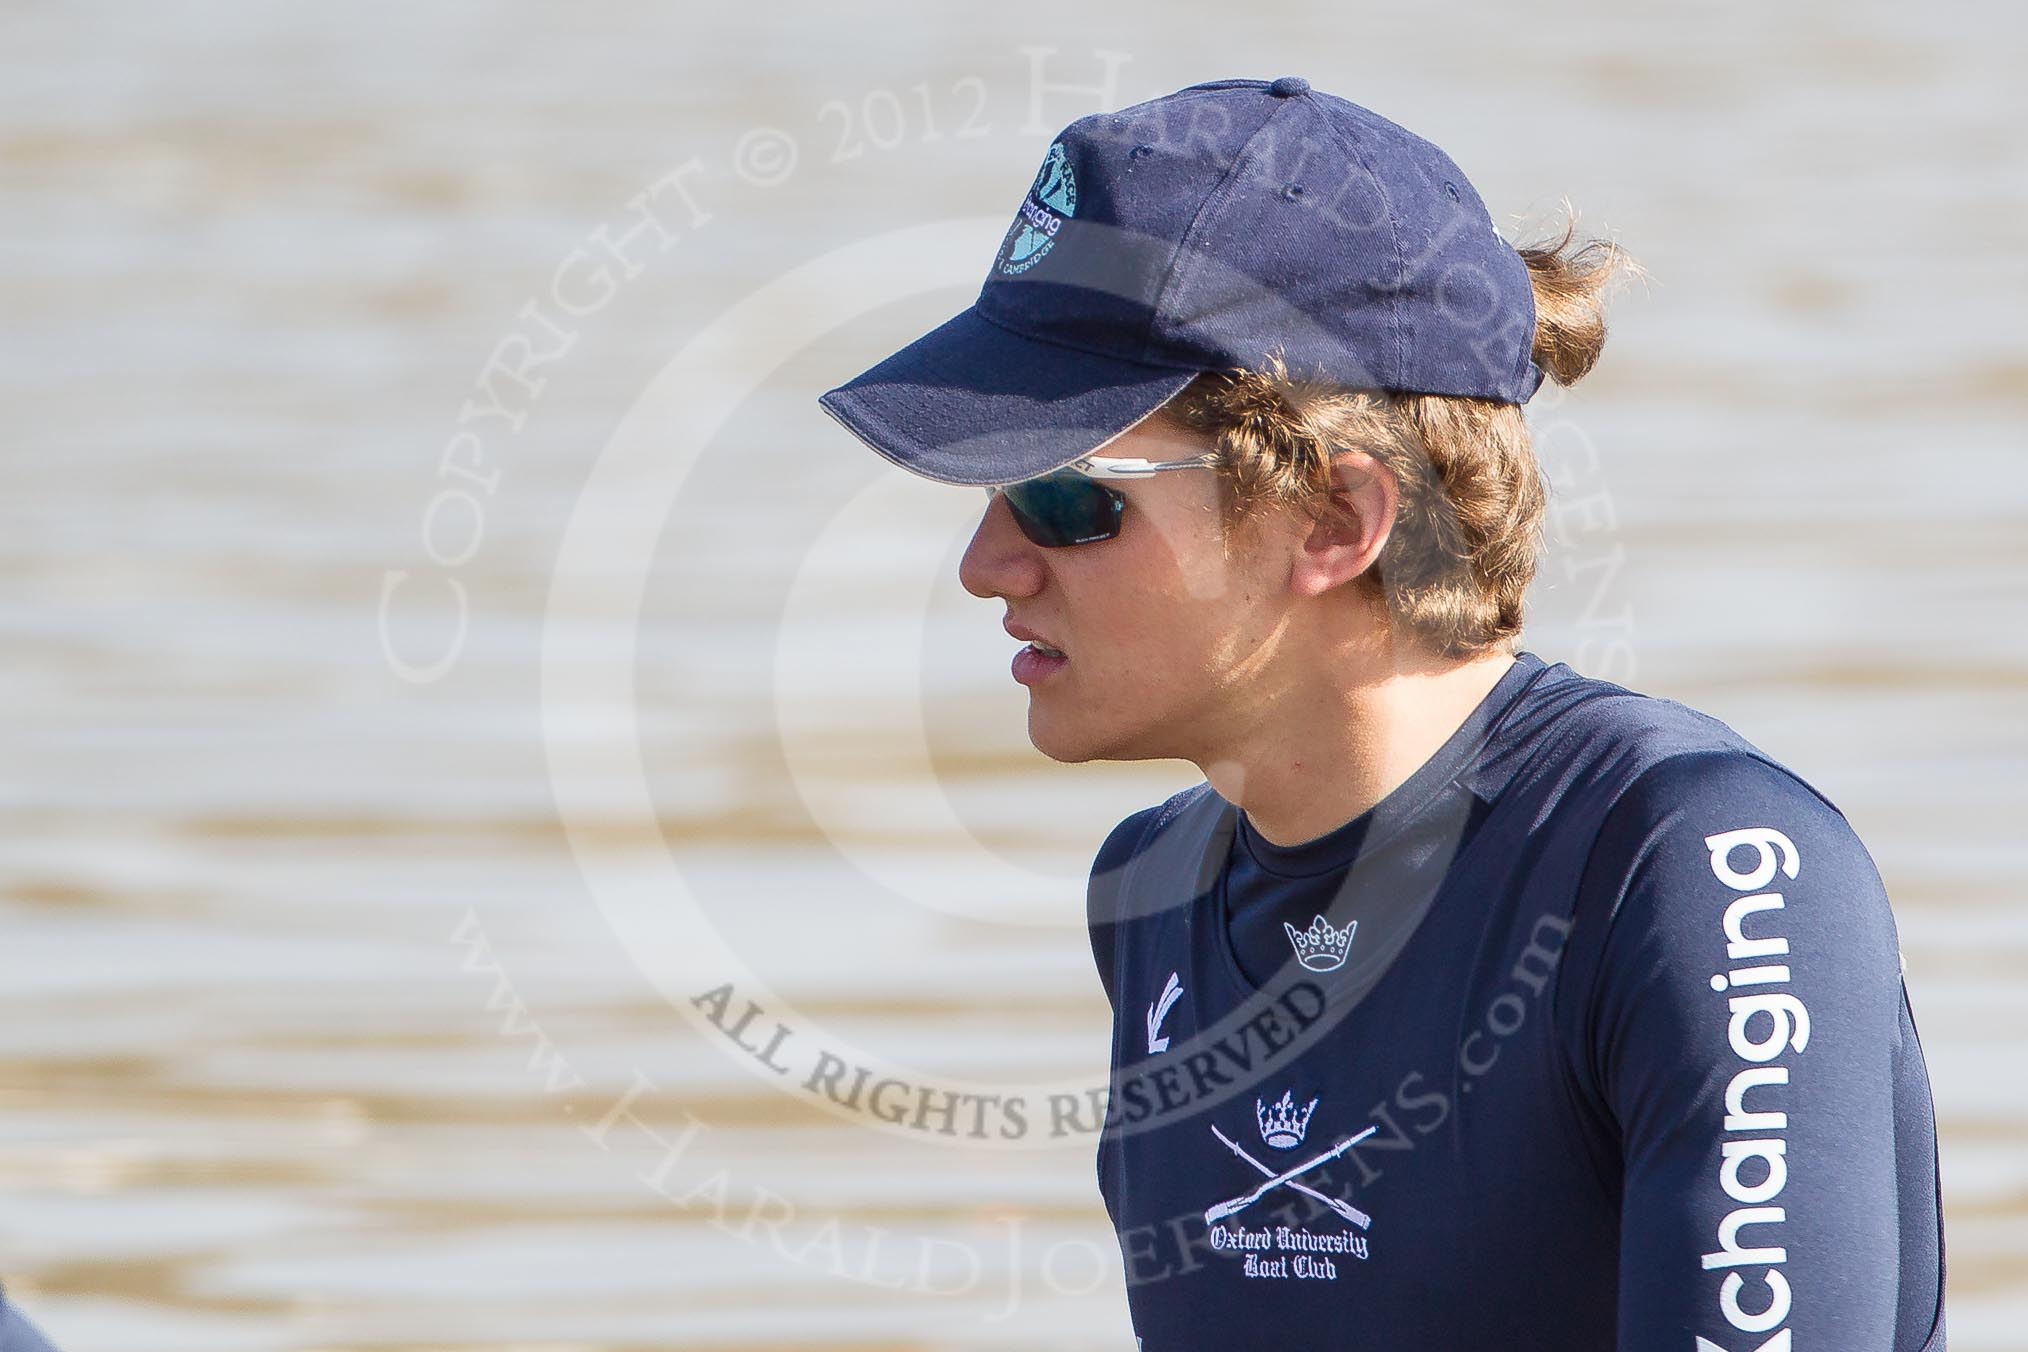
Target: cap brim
{"type": "Point", "coordinates": [973, 403]}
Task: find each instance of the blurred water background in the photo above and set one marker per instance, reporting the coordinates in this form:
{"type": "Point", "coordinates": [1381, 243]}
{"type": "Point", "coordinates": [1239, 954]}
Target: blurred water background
{"type": "Point", "coordinates": [336, 978]}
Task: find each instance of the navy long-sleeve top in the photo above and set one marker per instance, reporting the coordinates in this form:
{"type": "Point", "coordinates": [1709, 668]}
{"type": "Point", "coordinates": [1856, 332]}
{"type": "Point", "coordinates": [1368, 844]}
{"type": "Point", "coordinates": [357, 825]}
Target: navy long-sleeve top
{"type": "Point", "coordinates": [1591, 1035]}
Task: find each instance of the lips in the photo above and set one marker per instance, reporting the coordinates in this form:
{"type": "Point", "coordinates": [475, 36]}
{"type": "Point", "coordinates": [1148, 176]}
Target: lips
{"type": "Point", "coordinates": [1040, 642]}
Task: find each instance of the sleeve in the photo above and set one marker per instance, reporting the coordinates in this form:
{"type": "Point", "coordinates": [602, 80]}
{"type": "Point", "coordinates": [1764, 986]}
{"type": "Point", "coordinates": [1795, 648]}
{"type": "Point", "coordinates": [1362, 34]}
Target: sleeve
{"type": "Point", "coordinates": [1742, 1034]}
{"type": "Point", "coordinates": [1102, 895]}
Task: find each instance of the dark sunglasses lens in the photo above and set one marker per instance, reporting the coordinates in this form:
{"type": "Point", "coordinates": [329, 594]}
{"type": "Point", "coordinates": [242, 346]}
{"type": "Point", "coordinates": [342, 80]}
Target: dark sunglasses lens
{"type": "Point", "coordinates": [1068, 509]}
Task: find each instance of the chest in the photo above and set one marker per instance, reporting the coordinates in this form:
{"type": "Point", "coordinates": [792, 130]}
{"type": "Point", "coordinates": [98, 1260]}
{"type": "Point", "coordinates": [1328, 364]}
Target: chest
{"type": "Point", "coordinates": [1375, 1132]}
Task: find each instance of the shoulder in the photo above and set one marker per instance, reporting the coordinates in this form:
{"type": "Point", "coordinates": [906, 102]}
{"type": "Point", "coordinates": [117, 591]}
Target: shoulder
{"type": "Point", "coordinates": [1124, 840]}
{"type": "Point", "coordinates": [1128, 840]}
{"type": "Point", "coordinates": [1667, 814]}
{"type": "Point", "coordinates": [1700, 840]}
{"type": "Point", "coordinates": [1698, 800]}
{"type": "Point", "coordinates": [1595, 755]}
{"type": "Point", "coordinates": [1587, 717]}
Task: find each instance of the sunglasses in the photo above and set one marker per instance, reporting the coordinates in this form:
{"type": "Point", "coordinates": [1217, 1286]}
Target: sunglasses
{"type": "Point", "coordinates": [1070, 506]}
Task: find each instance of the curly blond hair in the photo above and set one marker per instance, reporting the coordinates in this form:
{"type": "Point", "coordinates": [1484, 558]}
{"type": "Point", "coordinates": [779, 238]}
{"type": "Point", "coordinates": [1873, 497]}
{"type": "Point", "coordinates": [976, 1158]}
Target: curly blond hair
{"type": "Point", "coordinates": [1455, 570]}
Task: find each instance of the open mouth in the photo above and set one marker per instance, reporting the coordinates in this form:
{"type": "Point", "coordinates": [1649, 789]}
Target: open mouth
{"type": "Point", "coordinates": [1036, 662]}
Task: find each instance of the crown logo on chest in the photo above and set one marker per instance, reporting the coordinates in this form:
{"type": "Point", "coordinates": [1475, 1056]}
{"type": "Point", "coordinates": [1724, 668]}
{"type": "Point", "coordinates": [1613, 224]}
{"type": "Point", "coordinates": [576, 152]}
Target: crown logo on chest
{"type": "Point", "coordinates": [1284, 1125]}
{"type": "Point", "coordinates": [1321, 947]}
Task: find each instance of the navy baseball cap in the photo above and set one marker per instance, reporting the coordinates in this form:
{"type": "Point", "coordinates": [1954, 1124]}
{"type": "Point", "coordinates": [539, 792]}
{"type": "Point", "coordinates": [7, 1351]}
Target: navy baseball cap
{"type": "Point", "coordinates": [1203, 231]}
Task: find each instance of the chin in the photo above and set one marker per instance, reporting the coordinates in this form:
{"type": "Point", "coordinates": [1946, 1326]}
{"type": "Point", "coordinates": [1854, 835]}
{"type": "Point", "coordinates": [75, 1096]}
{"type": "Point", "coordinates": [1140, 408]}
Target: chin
{"type": "Point", "coordinates": [1076, 746]}
{"type": "Point", "coordinates": [1061, 750]}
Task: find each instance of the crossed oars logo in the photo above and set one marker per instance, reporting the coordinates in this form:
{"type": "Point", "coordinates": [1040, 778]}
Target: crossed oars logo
{"type": "Point", "coordinates": [1275, 1180]}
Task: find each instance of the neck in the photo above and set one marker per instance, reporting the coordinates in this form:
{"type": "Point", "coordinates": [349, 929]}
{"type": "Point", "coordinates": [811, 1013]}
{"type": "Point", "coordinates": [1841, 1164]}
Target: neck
{"type": "Point", "coordinates": [1323, 750]}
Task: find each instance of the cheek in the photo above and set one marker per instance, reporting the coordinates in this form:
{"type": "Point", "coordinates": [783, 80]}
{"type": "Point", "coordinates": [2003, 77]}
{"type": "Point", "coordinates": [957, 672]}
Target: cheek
{"type": "Point", "coordinates": [1223, 596]}
{"type": "Point", "coordinates": [1182, 566]}
{"type": "Point", "coordinates": [1171, 635]}
{"type": "Point", "coordinates": [1174, 602]}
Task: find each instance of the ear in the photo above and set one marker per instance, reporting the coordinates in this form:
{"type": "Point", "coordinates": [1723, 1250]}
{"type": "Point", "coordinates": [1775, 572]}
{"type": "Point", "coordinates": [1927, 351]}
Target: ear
{"type": "Point", "coordinates": [1348, 537]}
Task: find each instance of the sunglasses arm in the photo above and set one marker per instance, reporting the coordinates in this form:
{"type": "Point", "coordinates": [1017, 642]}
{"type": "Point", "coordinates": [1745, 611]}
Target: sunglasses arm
{"type": "Point", "coordinates": [1117, 467]}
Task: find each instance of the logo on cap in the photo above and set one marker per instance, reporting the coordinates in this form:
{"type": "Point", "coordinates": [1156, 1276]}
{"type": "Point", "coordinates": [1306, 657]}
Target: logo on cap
{"type": "Point", "coordinates": [1050, 202]}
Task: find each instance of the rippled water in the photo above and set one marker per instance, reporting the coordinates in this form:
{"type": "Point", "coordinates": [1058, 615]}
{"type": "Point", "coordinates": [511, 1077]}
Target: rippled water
{"type": "Point", "coordinates": [336, 1005]}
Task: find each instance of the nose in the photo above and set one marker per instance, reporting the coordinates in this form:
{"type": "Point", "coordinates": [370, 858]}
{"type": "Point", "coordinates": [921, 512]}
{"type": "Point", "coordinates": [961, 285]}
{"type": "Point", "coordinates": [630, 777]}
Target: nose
{"type": "Point", "coordinates": [1000, 560]}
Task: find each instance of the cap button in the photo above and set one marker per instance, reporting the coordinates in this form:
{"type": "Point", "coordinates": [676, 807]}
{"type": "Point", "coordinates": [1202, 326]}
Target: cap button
{"type": "Point", "coordinates": [1289, 86]}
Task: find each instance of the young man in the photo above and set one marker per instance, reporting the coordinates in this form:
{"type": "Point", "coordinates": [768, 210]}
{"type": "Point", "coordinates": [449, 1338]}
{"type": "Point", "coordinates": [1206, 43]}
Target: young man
{"type": "Point", "coordinates": [1469, 1002]}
